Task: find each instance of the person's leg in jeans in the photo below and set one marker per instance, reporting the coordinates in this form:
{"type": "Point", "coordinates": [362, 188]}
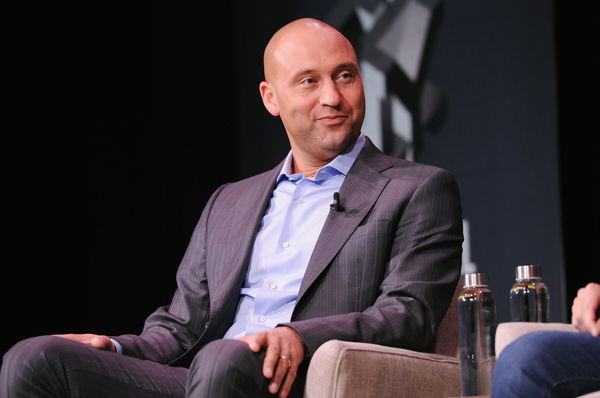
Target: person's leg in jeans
{"type": "Point", "coordinates": [54, 367]}
{"type": "Point", "coordinates": [548, 364]}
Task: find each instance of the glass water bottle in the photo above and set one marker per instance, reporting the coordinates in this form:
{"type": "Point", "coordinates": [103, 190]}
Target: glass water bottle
{"type": "Point", "coordinates": [476, 330]}
{"type": "Point", "coordinates": [529, 297]}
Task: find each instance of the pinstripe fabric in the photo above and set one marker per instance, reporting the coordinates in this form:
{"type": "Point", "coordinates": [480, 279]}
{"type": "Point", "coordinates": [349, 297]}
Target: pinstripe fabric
{"type": "Point", "coordinates": [382, 271]}
{"type": "Point", "coordinates": [237, 372]}
{"type": "Point", "coordinates": [53, 367]}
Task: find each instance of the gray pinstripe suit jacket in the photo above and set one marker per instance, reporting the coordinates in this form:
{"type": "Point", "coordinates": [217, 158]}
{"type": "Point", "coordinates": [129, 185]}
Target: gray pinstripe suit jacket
{"type": "Point", "coordinates": [383, 270]}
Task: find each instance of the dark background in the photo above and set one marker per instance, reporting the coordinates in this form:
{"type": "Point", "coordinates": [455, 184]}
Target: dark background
{"type": "Point", "coordinates": [120, 137]}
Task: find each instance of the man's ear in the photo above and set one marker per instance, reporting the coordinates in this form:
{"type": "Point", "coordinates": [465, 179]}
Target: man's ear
{"type": "Point", "coordinates": [269, 98]}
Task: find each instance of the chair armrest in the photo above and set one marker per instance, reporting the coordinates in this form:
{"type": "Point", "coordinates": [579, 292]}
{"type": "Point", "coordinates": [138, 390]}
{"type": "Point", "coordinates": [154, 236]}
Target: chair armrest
{"type": "Point", "coordinates": [346, 369]}
{"type": "Point", "coordinates": [507, 332]}
{"type": "Point", "coordinates": [595, 394]}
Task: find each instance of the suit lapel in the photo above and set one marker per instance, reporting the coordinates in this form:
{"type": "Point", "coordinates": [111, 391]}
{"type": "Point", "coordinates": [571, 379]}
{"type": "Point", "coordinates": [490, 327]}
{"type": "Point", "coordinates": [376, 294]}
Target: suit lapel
{"type": "Point", "coordinates": [358, 194]}
{"type": "Point", "coordinates": [248, 210]}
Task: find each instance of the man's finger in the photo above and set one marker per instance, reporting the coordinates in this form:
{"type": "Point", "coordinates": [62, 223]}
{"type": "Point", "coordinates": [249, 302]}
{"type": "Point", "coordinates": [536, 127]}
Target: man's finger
{"type": "Point", "coordinates": [271, 359]}
{"type": "Point", "coordinates": [283, 365]}
{"type": "Point", "coordinates": [290, 376]}
{"type": "Point", "coordinates": [102, 343]}
{"type": "Point", "coordinates": [255, 341]}
{"type": "Point", "coordinates": [587, 322]}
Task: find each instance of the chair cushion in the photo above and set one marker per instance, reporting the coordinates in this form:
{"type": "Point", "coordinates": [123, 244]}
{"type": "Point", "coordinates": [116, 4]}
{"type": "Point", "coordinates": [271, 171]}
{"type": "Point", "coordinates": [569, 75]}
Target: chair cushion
{"type": "Point", "coordinates": [347, 369]}
{"type": "Point", "coordinates": [507, 332]}
{"type": "Point", "coordinates": [591, 395]}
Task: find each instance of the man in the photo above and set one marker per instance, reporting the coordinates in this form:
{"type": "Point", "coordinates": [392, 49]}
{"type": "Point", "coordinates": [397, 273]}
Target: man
{"type": "Point", "coordinates": [554, 363]}
{"type": "Point", "coordinates": [272, 270]}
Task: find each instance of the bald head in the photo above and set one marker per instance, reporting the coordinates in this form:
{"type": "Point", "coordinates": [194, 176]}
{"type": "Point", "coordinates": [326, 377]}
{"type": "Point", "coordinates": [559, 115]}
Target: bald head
{"type": "Point", "coordinates": [299, 35]}
{"type": "Point", "coordinates": [313, 83]}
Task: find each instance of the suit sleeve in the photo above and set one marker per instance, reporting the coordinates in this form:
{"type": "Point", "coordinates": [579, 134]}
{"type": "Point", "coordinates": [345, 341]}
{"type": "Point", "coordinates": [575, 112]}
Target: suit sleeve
{"type": "Point", "coordinates": [173, 329]}
{"type": "Point", "coordinates": [419, 275]}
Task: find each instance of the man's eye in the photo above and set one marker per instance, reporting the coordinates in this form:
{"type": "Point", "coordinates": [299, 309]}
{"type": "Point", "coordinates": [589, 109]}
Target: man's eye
{"type": "Point", "coordinates": [345, 76]}
{"type": "Point", "coordinates": [308, 81]}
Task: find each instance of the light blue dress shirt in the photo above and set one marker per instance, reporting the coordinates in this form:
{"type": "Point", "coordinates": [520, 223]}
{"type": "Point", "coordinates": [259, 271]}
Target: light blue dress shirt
{"type": "Point", "coordinates": [285, 242]}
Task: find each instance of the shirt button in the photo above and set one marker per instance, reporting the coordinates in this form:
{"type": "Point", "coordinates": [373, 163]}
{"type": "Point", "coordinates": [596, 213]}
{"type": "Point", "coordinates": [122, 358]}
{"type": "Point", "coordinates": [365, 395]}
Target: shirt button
{"type": "Point", "coordinates": [272, 285]}
{"type": "Point", "coordinates": [262, 318]}
{"type": "Point", "coordinates": [299, 201]}
{"type": "Point", "coordinates": [286, 244]}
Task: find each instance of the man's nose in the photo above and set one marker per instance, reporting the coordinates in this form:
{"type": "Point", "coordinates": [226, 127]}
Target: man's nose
{"type": "Point", "coordinates": [330, 94]}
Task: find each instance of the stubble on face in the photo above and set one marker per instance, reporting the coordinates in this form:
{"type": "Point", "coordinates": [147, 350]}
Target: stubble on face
{"type": "Point", "coordinates": [312, 72]}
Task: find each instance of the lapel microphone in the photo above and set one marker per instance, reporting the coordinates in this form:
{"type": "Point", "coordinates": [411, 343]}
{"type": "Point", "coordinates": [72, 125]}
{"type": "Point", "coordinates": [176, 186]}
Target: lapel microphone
{"type": "Point", "coordinates": [336, 206]}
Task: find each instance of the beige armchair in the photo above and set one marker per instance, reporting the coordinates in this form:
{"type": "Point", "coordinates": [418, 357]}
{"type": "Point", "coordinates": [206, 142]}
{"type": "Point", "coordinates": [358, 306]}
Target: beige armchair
{"type": "Point", "coordinates": [509, 331]}
{"type": "Point", "coordinates": [342, 369]}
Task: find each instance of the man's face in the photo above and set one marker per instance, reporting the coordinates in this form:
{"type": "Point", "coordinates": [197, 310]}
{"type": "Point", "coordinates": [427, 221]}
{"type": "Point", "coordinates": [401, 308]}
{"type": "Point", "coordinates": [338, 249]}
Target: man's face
{"type": "Point", "coordinates": [315, 86]}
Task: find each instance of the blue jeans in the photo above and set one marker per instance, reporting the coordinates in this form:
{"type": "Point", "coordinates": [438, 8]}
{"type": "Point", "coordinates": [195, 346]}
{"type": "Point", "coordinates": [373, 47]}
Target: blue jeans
{"type": "Point", "coordinates": [548, 364]}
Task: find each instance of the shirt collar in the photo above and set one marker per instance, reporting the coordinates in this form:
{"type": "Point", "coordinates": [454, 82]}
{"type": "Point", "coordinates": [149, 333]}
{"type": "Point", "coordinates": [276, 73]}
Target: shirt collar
{"type": "Point", "coordinates": [341, 164]}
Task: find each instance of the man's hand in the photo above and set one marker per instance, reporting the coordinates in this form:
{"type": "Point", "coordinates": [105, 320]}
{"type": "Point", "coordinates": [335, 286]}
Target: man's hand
{"type": "Point", "coordinates": [584, 309]}
{"type": "Point", "coordinates": [98, 341]}
{"type": "Point", "coordinates": [285, 352]}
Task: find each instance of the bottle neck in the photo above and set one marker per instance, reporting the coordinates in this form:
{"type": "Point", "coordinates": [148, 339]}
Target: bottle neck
{"type": "Point", "coordinates": [529, 280]}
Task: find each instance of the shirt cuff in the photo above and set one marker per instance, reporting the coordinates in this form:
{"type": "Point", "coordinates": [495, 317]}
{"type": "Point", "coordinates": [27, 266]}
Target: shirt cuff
{"type": "Point", "coordinates": [118, 346]}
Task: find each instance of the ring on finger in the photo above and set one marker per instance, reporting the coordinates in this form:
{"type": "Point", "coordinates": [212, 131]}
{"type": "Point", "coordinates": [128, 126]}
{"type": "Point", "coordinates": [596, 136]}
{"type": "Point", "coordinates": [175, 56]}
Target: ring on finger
{"type": "Point", "coordinates": [284, 358]}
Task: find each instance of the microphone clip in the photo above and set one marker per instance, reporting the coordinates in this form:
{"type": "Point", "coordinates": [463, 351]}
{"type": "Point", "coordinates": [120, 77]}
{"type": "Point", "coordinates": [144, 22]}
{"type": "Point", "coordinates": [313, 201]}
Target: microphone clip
{"type": "Point", "coordinates": [336, 206]}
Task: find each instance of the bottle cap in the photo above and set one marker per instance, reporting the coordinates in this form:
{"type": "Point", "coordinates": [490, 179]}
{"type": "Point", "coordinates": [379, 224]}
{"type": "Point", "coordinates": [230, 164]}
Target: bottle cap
{"type": "Point", "coordinates": [475, 279]}
{"type": "Point", "coordinates": [523, 272]}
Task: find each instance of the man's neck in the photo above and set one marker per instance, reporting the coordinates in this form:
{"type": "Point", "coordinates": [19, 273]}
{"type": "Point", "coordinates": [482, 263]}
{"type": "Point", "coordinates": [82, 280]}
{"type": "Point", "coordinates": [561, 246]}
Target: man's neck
{"type": "Point", "coordinates": [308, 162]}
{"type": "Point", "coordinates": [308, 169]}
